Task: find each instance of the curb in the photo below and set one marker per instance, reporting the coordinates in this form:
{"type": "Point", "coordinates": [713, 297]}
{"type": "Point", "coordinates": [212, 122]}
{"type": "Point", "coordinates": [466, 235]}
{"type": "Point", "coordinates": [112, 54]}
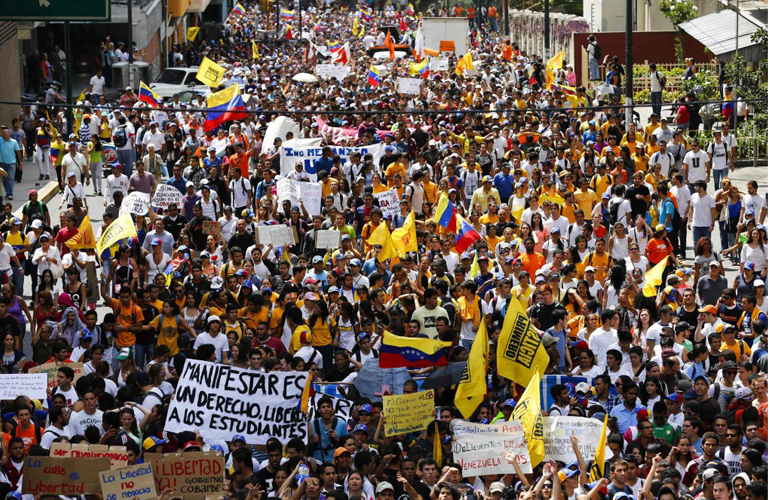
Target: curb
{"type": "Point", "coordinates": [45, 194]}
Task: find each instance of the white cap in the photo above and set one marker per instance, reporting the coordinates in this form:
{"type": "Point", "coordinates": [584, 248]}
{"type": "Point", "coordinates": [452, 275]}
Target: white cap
{"type": "Point", "coordinates": [213, 319]}
{"type": "Point", "coordinates": [590, 268]}
{"type": "Point", "coordinates": [37, 224]}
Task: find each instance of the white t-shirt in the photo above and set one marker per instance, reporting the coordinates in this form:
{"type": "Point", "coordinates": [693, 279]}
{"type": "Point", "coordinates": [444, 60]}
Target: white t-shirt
{"type": "Point", "coordinates": [6, 253]}
{"type": "Point", "coordinates": [80, 421]}
{"type": "Point", "coordinates": [240, 189]}
{"type": "Point", "coordinates": [754, 202]}
{"type": "Point", "coordinates": [696, 165]}
{"type": "Point", "coordinates": [219, 342]}
{"type": "Point", "coordinates": [718, 154]}
{"type": "Point", "coordinates": [52, 433]}
{"type": "Point", "coordinates": [97, 85]}
{"type": "Point", "coordinates": [72, 192]}
{"type": "Point", "coordinates": [701, 210]}
{"type": "Point", "coordinates": [156, 139]}
{"type": "Point", "coordinates": [683, 197]}
{"type": "Point", "coordinates": [76, 163]}
{"type": "Point", "coordinates": [154, 269]}
{"type": "Point", "coordinates": [600, 342]}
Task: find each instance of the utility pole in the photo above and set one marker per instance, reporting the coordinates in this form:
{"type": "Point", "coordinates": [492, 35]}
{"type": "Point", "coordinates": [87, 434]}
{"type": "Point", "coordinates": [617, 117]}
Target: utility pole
{"type": "Point", "coordinates": [70, 65]}
{"type": "Point", "coordinates": [629, 61]}
{"type": "Point", "coordinates": [547, 26]}
{"type": "Point", "coordinates": [507, 21]}
{"type": "Point", "coordinates": [130, 41]}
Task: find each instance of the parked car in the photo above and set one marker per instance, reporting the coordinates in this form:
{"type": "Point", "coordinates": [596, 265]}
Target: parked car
{"type": "Point", "coordinates": [177, 80]}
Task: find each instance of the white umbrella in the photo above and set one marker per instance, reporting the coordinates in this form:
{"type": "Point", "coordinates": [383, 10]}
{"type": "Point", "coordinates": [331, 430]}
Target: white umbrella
{"type": "Point", "coordinates": [304, 77]}
{"type": "Point", "coordinates": [386, 55]}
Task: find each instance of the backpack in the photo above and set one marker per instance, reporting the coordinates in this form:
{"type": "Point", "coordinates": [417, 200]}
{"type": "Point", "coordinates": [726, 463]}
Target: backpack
{"type": "Point", "coordinates": [317, 430]}
{"type": "Point", "coordinates": [614, 208]}
{"type": "Point", "coordinates": [676, 218]}
{"type": "Point", "coordinates": [597, 51]}
{"type": "Point", "coordinates": [661, 79]}
{"type": "Point", "coordinates": [120, 138]}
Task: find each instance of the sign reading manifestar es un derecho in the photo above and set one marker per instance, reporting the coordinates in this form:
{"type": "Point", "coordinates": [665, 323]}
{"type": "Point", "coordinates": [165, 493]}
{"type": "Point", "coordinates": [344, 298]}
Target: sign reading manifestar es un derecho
{"type": "Point", "coordinates": [220, 401]}
{"type": "Point", "coordinates": [56, 10]}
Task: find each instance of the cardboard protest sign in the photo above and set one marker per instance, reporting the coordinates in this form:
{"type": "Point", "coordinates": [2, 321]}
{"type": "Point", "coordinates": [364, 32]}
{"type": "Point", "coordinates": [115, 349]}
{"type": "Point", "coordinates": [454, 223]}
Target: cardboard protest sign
{"type": "Point", "coordinates": [290, 155]}
{"type": "Point", "coordinates": [118, 455]}
{"type": "Point", "coordinates": [388, 201]}
{"type": "Point", "coordinates": [327, 238]}
{"type": "Point", "coordinates": [220, 401]}
{"type": "Point", "coordinates": [265, 235]}
{"type": "Point", "coordinates": [558, 445]}
{"type": "Point", "coordinates": [409, 86]}
{"type": "Point", "coordinates": [477, 447]}
{"type": "Point", "coordinates": [136, 203]}
{"type": "Point", "coordinates": [407, 413]}
{"type": "Point", "coordinates": [211, 227]}
{"type": "Point", "coordinates": [50, 370]}
{"type": "Point", "coordinates": [294, 191]}
{"type": "Point", "coordinates": [327, 71]}
{"type": "Point", "coordinates": [135, 482]}
{"type": "Point", "coordinates": [63, 476]}
{"type": "Point", "coordinates": [191, 476]}
{"type": "Point", "coordinates": [32, 385]}
{"type": "Point", "coordinates": [283, 235]}
{"type": "Point", "coordinates": [165, 195]}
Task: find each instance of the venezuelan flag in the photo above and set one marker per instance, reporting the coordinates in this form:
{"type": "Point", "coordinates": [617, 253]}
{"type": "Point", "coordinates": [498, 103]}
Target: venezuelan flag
{"type": "Point", "coordinates": [397, 351]}
{"type": "Point", "coordinates": [238, 10]}
{"type": "Point", "coordinates": [287, 14]}
{"type": "Point", "coordinates": [564, 89]}
{"type": "Point", "coordinates": [366, 15]}
{"type": "Point", "coordinates": [146, 95]}
{"type": "Point", "coordinates": [446, 214]}
{"type": "Point", "coordinates": [374, 76]}
{"type": "Point", "coordinates": [224, 106]}
{"type": "Point", "coordinates": [422, 69]}
{"type": "Point", "coordinates": [466, 235]}
{"type": "Point", "coordinates": [307, 393]}
{"type": "Point", "coordinates": [333, 45]}
{"type": "Point", "coordinates": [410, 10]}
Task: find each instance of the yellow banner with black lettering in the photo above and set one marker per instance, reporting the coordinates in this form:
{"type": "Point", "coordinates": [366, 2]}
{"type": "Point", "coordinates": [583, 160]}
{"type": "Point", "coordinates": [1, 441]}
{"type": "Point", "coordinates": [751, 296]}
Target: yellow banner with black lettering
{"type": "Point", "coordinates": [520, 352]}
{"type": "Point", "coordinates": [405, 237]}
{"type": "Point", "coordinates": [192, 33]}
{"type": "Point", "coordinates": [85, 237]}
{"type": "Point", "coordinates": [122, 227]}
{"type": "Point", "coordinates": [210, 73]}
{"type": "Point", "coordinates": [527, 411]}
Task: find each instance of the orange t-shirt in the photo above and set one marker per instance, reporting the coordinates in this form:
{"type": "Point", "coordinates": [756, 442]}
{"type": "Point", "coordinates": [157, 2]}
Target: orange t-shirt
{"type": "Point", "coordinates": [28, 436]}
{"type": "Point", "coordinates": [242, 162]}
{"type": "Point", "coordinates": [128, 317]}
{"type": "Point", "coordinates": [657, 250]}
{"type": "Point", "coordinates": [532, 263]}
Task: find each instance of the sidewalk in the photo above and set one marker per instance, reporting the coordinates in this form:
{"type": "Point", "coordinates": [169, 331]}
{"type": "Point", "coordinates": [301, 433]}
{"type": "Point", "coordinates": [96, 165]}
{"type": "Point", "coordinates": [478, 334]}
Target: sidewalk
{"type": "Point", "coordinates": [46, 189]}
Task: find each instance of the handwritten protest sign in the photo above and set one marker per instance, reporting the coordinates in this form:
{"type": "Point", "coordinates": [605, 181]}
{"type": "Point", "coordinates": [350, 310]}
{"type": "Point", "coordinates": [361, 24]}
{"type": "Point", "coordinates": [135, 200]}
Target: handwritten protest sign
{"type": "Point", "coordinates": [409, 86]}
{"type": "Point", "coordinates": [191, 476]}
{"type": "Point", "coordinates": [327, 71]}
{"type": "Point", "coordinates": [135, 482]}
{"type": "Point", "coordinates": [165, 195]}
{"type": "Point", "coordinates": [135, 203]}
{"type": "Point", "coordinates": [290, 155]}
{"type": "Point", "coordinates": [388, 201]}
{"type": "Point", "coordinates": [283, 235]}
{"type": "Point", "coordinates": [118, 455]}
{"type": "Point", "coordinates": [265, 235]}
{"type": "Point", "coordinates": [477, 447]}
{"type": "Point", "coordinates": [327, 238]}
{"type": "Point", "coordinates": [50, 370]}
{"type": "Point", "coordinates": [294, 191]}
{"type": "Point", "coordinates": [69, 477]}
{"type": "Point", "coordinates": [407, 413]}
{"type": "Point", "coordinates": [439, 64]}
{"type": "Point", "coordinates": [32, 385]}
{"type": "Point", "coordinates": [557, 432]}
{"type": "Point", "coordinates": [220, 400]}
{"type": "Point", "coordinates": [211, 227]}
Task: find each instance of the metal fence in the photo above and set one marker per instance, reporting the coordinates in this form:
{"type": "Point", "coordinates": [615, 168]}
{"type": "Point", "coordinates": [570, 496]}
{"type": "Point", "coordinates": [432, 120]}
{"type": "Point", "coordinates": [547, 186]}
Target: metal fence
{"type": "Point", "coordinates": [673, 81]}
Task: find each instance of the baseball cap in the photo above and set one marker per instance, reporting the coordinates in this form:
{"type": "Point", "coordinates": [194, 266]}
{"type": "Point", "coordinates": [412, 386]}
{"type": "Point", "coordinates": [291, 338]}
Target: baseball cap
{"type": "Point", "coordinates": [590, 269]}
{"type": "Point", "coordinates": [748, 265]}
{"type": "Point", "coordinates": [710, 474]}
{"type": "Point", "coordinates": [510, 402]}
{"type": "Point", "coordinates": [361, 428]}
{"type": "Point", "coordinates": [17, 222]}
{"type": "Point", "coordinates": [674, 397]}
{"type": "Point", "coordinates": [156, 241]}
{"type": "Point", "coordinates": [317, 259]}
{"type": "Point", "coordinates": [743, 393]}
{"type": "Point", "coordinates": [190, 445]}
{"type": "Point", "coordinates": [310, 296]}
{"type": "Point", "coordinates": [37, 224]}
{"type": "Point", "coordinates": [355, 262]}
{"type": "Point", "coordinates": [213, 319]}
{"type": "Point", "coordinates": [713, 263]}
{"type": "Point", "coordinates": [729, 365]}
{"type": "Point", "coordinates": [383, 486]}
{"type": "Point", "coordinates": [86, 335]}
{"type": "Point", "coordinates": [152, 441]}
{"type": "Point", "coordinates": [549, 340]}
{"type": "Point", "coordinates": [690, 394]}
{"type": "Point", "coordinates": [567, 473]}
{"type": "Point", "coordinates": [340, 451]}
{"type": "Point", "coordinates": [709, 309]}
{"type": "Point", "coordinates": [366, 408]}
{"type": "Point", "coordinates": [333, 289]}
{"type": "Point", "coordinates": [583, 387]}
{"type": "Point", "coordinates": [659, 228]}
{"type": "Point", "coordinates": [125, 353]}
{"type": "Point", "coordinates": [238, 437]}
{"type": "Point", "coordinates": [496, 487]}
{"type": "Point", "coordinates": [756, 282]}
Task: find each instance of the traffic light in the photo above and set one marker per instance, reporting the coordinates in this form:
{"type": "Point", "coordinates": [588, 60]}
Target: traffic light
{"type": "Point", "coordinates": [267, 5]}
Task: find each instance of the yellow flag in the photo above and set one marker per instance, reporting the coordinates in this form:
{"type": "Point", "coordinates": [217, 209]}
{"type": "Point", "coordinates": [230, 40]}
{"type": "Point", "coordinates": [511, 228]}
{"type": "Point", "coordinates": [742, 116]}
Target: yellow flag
{"type": "Point", "coordinates": [466, 62]}
{"type": "Point", "coordinates": [653, 278]}
{"type": "Point", "coordinates": [553, 65]}
{"type": "Point", "coordinates": [528, 412]}
{"type": "Point", "coordinates": [192, 33]}
{"type": "Point", "coordinates": [210, 73]}
{"type": "Point", "coordinates": [405, 237]}
{"type": "Point", "coordinates": [597, 468]}
{"type": "Point", "coordinates": [355, 25]}
{"type": "Point", "coordinates": [475, 271]}
{"type": "Point", "coordinates": [122, 227]}
{"type": "Point", "coordinates": [254, 50]}
{"type": "Point", "coordinates": [82, 95]}
{"type": "Point", "coordinates": [473, 385]}
{"type": "Point", "coordinates": [520, 353]}
{"type": "Point", "coordinates": [381, 236]}
{"type": "Point", "coordinates": [85, 237]}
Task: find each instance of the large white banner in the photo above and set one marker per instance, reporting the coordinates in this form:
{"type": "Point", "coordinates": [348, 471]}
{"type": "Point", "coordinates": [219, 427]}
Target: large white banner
{"type": "Point", "coordinates": [558, 444]}
{"type": "Point", "coordinates": [477, 447]}
{"type": "Point", "coordinates": [221, 401]}
{"type": "Point", "coordinates": [278, 128]}
{"type": "Point", "coordinates": [308, 192]}
{"type": "Point", "coordinates": [327, 71]}
{"type": "Point", "coordinates": [308, 155]}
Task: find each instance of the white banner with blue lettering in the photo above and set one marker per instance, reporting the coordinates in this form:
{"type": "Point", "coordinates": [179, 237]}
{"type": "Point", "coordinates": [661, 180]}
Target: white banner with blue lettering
{"type": "Point", "coordinates": [308, 155]}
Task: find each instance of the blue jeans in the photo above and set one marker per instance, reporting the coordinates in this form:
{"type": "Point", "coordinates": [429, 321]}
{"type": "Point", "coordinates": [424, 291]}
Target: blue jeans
{"type": "Point", "coordinates": [142, 355]}
{"type": "Point", "coordinates": [700, 232]}
{"type": "Point", "coordinates": [125, 157]}
{"type": "Point", "coordinates": [656, 99]}
{"type": "Point", "coordinates": [593, 69]}
{"type": "Point", "coordinates": [467, 343]}
{"type": "Point", "coordinates": [18, 280]}
{"type": "Point", "coordinates": [723, 240]}
{"type": "Point", "coordinates": [718, 175]}
{"type": "Point", "coordinates": [10, 168]}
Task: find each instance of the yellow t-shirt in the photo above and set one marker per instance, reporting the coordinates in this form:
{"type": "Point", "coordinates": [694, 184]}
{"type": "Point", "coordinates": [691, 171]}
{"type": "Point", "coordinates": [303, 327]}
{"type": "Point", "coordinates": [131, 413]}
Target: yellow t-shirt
{"type": "Point", "coordinates": [294, 344]}
{"type": "Point", "coordinates": [252, 319]}
{"type": "Point", "coordinates": [586, 200]}
{"type": "Point", "coordinates": [168, 333]}
{"type": "Point", "coordinates": [322, 334]}
{"type": "Point", "coordinates": [237, 328]}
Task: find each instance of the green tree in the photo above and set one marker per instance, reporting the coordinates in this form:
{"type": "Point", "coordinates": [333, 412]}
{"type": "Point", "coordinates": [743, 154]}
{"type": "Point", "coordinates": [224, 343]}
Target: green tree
{"type": "Point", "coordinates": [678, 12]}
